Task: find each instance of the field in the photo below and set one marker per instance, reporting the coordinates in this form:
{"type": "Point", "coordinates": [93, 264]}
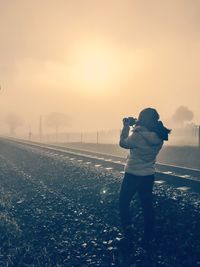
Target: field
{"type": "Point", "coordinates": [60, 212]}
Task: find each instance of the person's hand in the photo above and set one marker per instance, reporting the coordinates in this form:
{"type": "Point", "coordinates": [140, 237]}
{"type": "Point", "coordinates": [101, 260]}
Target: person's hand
{"type": "Point", "coordinates": [126, 122]}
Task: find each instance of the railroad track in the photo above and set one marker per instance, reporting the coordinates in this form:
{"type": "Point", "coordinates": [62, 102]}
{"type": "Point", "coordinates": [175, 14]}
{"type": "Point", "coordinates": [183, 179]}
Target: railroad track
{"type": "Point", "coordinates": [185, 179]}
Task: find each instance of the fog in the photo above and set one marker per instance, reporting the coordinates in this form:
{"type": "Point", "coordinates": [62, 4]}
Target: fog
{"type": "Point", "coordinates": [97, 61]}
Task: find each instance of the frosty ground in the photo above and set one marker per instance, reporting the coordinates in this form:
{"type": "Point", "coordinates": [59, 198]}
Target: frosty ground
{"type": "Point", "coordinates": [55, 211]}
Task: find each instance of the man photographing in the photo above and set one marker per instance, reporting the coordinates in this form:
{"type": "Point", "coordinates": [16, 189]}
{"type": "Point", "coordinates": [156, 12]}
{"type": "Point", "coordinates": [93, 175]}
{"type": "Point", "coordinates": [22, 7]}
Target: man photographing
{"type": "Point", "coordinates": [144, 142]}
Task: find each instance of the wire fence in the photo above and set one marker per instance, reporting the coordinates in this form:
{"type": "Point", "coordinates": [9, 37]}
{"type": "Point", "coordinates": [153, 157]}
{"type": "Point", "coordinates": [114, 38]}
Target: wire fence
{"type": "Point", "coordinates": [180, 137]}
{"type": "Point", "coordinates": [102, 136]}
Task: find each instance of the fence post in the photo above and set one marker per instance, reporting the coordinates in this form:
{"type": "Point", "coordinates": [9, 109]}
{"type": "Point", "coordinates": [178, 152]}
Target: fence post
{"type": "Point", "coordinates": [40, 129]}
{"type": "Point", "coordinates": [81, 138]}
{"type": "Point", "coordinates": [29, 134]}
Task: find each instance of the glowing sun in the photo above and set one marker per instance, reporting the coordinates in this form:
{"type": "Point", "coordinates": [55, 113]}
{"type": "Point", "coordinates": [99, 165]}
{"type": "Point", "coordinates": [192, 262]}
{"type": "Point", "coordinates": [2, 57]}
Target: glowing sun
{"type": "Point", "coordinates": [93, 68]}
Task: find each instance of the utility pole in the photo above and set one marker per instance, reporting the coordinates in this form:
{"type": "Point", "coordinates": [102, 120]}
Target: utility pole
{"type": "Point", "coordinates": [40, 129]}
{"type": "Point", "coordinates": [97, 137]}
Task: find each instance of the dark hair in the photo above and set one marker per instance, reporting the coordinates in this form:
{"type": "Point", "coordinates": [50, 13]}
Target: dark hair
{"type": "Point", "coordinates": [149, 118]}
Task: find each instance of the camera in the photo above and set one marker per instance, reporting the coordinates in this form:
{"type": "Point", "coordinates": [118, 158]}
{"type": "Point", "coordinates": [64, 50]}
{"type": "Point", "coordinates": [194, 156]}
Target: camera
{"type": "Point", "coordinates": [132, 121]}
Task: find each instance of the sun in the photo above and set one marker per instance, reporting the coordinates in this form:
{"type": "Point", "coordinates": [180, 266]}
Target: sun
{"type": "Point", "coordinates": [93, 68]}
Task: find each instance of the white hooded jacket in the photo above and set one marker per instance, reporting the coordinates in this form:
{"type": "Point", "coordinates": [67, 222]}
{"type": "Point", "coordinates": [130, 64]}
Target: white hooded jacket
{"type": "Point", "coordinates": [144, 147]}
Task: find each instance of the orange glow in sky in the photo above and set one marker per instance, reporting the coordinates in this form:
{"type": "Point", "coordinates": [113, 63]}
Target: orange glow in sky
{"type": "Point", "coordinates": [93, 68]}
{"type": "Point", "coordinates": [98, 61]}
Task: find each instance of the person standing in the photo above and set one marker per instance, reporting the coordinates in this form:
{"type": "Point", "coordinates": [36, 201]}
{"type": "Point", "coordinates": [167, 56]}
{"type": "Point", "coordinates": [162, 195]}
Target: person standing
{"type": "Point", "coordinates": [144, 142]}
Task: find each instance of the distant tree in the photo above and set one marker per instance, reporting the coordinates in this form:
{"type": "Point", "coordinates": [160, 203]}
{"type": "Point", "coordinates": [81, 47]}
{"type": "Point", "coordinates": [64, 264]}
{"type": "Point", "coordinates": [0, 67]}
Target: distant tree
{"type": "Point", "coordinates": [181, 115]}
{"type": "Point", "coordinates": [56, 120]}
{"type": "Point", "coordinates": [13, 121]}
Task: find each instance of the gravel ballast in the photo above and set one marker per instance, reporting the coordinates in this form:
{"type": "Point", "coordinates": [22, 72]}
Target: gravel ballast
{"type": "Point", "coordinates": [57, 211]}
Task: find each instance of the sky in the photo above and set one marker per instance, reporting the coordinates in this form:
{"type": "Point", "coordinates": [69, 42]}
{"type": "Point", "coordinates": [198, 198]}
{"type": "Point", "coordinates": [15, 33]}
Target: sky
{"type": "Point", "coordinates": [98, 60]}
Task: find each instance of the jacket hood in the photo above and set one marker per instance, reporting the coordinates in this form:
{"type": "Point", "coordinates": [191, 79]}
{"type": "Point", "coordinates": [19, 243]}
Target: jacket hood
{"type": "Point", "coordinates": [150, 137]}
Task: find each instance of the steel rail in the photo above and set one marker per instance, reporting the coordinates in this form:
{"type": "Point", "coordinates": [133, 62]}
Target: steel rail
{"type": "Point", "coordinates": [179, 170]}
{"type": "Point", "coordinates": [181, 177]}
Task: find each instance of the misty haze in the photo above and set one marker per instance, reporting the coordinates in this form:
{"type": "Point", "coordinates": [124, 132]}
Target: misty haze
{"type": "Point", "coordinates": [99, 102]}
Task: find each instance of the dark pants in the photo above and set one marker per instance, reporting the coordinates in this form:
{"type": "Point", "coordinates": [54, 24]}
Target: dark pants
{"type": "Point", "coordinates": [143, 185]}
